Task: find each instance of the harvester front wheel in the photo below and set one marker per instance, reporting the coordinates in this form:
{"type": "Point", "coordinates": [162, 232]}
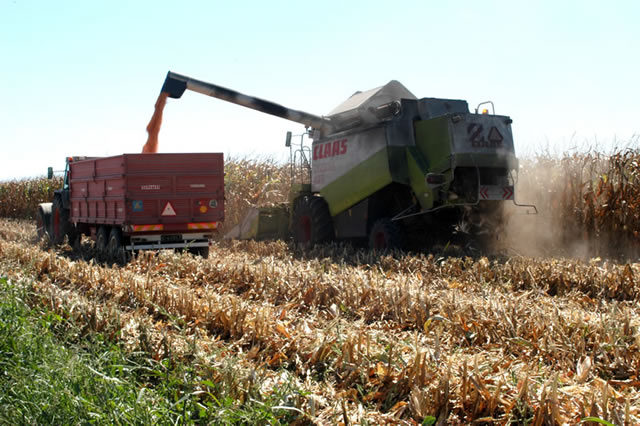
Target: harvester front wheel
{"type": "Point", "coordinates": [311, 221]}
{"type": "Point", "coordinates": [386, 235]}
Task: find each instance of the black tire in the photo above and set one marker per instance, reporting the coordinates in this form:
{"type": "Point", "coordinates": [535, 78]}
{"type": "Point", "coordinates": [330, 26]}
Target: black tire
{"type": "Point", "coordinates": [60, 226]}
{"type": "Point", "coordinates": [200, 251]}
{"type": "Point", "coordinates": [386, 235]}
{"type": "Point", "coordinates": [115, 250]}
{"type": "Point", "coordinates": [312, 222]}
{"type": "Point", "coordinates": [102, 239]}
{"type": "Point", "coordinates": [42, 222]}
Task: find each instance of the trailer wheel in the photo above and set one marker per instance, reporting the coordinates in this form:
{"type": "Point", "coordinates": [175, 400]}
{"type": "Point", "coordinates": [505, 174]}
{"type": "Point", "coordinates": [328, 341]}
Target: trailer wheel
{"type": "Point", "coordinates": [115, 249]}
{"type": "Point", "coordinates": [42, 221]}
{"type": "Point", "coordinates": [312, 222]}
{"type": "Point", "coordinates": [60, 225]}
{"type": "Point", "coordinates": [102, 239]}
{"type": "Point", "coordinates": [200, 251]}
{"type": "Point", "coordinates": [386, 235]}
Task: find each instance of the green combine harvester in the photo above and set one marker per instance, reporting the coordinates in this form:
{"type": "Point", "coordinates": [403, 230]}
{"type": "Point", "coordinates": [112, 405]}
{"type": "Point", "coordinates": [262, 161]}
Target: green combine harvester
{"type": "Point", "coordinates": [384, 167]}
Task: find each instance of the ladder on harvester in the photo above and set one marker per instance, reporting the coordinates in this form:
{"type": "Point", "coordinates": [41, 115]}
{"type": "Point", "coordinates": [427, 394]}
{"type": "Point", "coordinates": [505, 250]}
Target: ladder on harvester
{"type": "Point", "coordinates": [299, 159]}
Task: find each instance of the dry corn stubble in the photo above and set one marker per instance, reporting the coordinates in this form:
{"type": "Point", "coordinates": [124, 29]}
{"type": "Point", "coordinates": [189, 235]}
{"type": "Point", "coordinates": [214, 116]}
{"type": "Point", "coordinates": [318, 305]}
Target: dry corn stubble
{"type": "Point", "coordinates": [483, 349]}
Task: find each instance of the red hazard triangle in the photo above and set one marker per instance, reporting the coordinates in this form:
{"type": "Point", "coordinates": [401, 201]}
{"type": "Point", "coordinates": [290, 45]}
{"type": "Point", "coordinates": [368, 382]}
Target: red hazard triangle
{"type": "Point", "coordinates": [168, 210]}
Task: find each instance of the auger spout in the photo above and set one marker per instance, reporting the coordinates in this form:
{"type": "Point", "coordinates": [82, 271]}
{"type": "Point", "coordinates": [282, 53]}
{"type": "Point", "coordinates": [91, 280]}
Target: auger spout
{"type": "Point", "coordinates": [175, 85]}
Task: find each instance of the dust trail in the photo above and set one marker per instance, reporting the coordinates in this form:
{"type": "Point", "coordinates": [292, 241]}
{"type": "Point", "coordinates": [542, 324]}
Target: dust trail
{"type": "Point", "coordinates": [153, 128]}
{"type": "Point", "coordinates": [588, 206]}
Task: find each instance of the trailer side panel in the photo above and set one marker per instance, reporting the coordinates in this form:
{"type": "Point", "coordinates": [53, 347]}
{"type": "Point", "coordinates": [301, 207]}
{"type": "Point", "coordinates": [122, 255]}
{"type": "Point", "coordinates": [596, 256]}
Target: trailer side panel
{"type": "Point", "coordinates": [178, 191]}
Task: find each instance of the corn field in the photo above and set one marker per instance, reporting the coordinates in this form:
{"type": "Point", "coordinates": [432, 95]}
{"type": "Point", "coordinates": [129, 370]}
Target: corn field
{"type": "Point", "coordinates": [19, 199]}
{"type": "Point", "coordinates": [532, 337]}
{"type": "Point", "coordinates": [253, 183]}
{"type": "Point", "coordinates": [589, 203]}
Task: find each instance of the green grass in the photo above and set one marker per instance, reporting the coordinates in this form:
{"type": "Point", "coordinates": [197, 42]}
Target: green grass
{"type": "Point", "coordinates": [52, 373]}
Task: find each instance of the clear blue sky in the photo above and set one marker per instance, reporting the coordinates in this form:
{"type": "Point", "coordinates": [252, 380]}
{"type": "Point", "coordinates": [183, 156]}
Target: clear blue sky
{"type": "Point", "coordinates": [81, 77]}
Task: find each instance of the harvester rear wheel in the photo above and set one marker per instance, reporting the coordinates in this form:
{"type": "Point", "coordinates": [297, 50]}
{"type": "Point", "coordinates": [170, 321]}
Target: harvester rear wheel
{"type": "Point", "coordinates": [386, 235]}
{"type": "Point", "coordinates": [311, 221]}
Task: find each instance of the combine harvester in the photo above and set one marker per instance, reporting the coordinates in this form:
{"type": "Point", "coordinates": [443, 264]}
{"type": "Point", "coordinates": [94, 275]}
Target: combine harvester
{"type": "Point", "coordinates": [384, 167]}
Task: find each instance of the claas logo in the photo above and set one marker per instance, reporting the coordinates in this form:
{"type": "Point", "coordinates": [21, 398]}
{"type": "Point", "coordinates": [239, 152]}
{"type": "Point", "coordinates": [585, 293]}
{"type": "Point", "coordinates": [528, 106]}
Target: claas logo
{"type": "Point", "coordinates": [330, 149]}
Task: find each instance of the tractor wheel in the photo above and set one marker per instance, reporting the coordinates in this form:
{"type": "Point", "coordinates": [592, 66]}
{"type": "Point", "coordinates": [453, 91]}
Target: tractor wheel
{"type": "Point", "coordinates": [102, 239]}
{"type": "Point", "coordinates": [386, 235]}
{"type": "Point", "coordinates": [60, 225]}
{"type": "Point", "coordinates": [115, 249]}
{"type": "Point", "coordinates": [42, 222]}
{"type": "Point", "coordinates": [311, 221]}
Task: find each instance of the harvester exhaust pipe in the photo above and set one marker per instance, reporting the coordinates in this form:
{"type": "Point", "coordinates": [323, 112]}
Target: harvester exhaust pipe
{"type": "Point", "coordinates": [176, 84]}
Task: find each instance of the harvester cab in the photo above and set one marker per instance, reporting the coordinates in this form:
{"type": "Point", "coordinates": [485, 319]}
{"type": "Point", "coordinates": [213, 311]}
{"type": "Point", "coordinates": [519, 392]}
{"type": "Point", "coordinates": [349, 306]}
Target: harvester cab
{"type": "Point", "coordinates": [384, 166]}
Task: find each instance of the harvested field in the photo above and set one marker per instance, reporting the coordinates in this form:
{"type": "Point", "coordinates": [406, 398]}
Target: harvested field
{"type": "Point", "coordinates": [546, 332]}
{"type": "Point", "coordinates": [360, 338]}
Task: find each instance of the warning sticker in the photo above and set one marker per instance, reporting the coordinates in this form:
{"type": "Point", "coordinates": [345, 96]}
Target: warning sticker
{"type": "Point", "coordinates": [168, 210]}
{"type": "Point", "coordinates": [495, 192]}
{"type": "Point", "coordinates": [495, 136]}
{"type": "Point", "coordinates": [507, 193]}
{"type": "Point", "coordinates": [483, 192]}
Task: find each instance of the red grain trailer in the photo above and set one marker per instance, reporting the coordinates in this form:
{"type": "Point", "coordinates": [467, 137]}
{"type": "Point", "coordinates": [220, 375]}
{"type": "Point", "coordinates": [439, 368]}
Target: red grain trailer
{"type": "Point", "coordinates": [138, 202]}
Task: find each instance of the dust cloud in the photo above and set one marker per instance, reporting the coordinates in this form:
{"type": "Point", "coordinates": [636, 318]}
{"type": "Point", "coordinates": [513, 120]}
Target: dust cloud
{"type": "Point", "coordinates": [580, 210]}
